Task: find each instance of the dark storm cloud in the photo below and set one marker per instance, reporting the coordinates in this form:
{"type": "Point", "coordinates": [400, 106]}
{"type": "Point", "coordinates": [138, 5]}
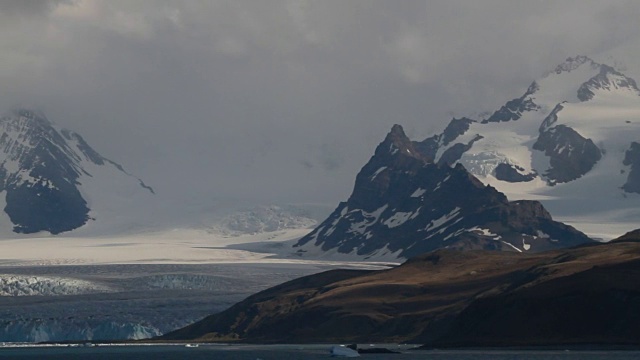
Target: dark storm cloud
{"type": "Point", "coordinates": [284, 99]}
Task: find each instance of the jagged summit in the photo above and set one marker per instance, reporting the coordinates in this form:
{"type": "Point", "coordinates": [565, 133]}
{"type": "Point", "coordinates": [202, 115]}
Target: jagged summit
{"type": "Point", "coordinates": [42, 172]}
{"type": "Point", "coordinates": [608, 79]}
{"type": "Point", "coordinates": [404, 204]}
{"type": "Point", "coordinates": [396, 130]}
{"type": "Point", "coordinates": [396, 143]}
{"type": "Point", "coordinates": [26, 132]}
{"type": "Point", "coordinates": [573, 127]}
{"type": "Point", "coordinates": [572, 63]}
{"type": "Point", "coordinates": [25, 116]}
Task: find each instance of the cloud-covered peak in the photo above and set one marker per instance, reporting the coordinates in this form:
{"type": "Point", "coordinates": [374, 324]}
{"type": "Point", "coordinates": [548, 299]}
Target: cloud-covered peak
{"type": "Point", "coordinates": [572, 63]}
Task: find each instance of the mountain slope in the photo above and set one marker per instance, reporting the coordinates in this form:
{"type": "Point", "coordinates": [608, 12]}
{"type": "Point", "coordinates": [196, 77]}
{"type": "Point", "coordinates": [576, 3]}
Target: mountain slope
{"type": "Point", "coordinates": [404, 205]}
{"type": "Point", "coordinates": [48, 175]}
{"type": "Point", "coordinates": [442, 297]}
{"type": "Point", "coordinates": [568, 141]}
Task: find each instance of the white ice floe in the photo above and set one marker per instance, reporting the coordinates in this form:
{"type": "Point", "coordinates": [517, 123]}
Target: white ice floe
{"type": "Point", "coordinates": [343, 351]}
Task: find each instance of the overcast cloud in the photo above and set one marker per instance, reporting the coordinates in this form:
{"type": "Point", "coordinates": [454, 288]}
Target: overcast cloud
{"type": "Point", "coordinates": [281, 100]}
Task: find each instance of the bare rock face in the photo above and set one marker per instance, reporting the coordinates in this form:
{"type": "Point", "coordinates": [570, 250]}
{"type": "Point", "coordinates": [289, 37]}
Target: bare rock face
{"type": "Point", "coordinates": [404, 204]}
{"type": "Point", "coordinates": [632, 159]}
{"type": "Point", "coordinates": [514, 109]}
{"type": "Point", "coordinates": [608, 78]}
{"type": "Point", "coordinates": [454, 153]}
{"type": "Point", "coordinates": [512, 173]}
{"type": "Point", "coordinates": [457, 127]}
{"type": "Point", "coordinates": [570, 154]}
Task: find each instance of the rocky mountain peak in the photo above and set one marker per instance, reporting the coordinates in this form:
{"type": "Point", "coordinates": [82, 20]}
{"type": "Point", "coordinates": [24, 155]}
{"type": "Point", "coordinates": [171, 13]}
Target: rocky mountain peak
{"type": "Point", "coordinates": [26, 116]}
{"type": "Point", "coordinates": [515, 108]}
{"type": "Point", "coordinates": [577, 126]}
{"type": "Point", "coordinates": [607, 79]}
{"type": "Point", "coordinates": [397, 144]}
{"type": "Point", "coordinates": [396, 153]}
{"type": "Point", "coordinates": [26, 128]}
{"type": "Point", "coordinates": [572, 63]}
{"type": "Point", "coordinates": [403, 205]}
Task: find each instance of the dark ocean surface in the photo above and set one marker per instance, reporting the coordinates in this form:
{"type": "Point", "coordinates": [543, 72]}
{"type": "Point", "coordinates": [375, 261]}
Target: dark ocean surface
{"type": "Point", "coordinates": [292, 352]}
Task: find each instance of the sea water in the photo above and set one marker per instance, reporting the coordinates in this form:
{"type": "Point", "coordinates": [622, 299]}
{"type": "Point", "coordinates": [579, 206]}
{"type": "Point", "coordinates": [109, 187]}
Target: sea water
{"type": "Point", "coordinates": [290, 352]}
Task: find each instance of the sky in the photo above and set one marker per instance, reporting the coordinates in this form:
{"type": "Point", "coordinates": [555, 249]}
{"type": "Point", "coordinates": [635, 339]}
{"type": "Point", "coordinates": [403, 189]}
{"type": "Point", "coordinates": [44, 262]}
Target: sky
{"type": "Point", "coordinates": [281, 101]}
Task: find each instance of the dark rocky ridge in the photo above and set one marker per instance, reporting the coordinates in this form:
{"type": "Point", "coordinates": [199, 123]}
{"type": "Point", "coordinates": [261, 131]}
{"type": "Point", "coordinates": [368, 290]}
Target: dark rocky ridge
{"type": "Point", "coordinates": [632, 159]}
{"type": "Point", "coordinates": [52, 202]}
{"type": "Point", "coordinates": [570, 154]}
{"type": "Point", "coordinates": [572, 63]}
{"type": "Point", "coordinates": [455, 128]}
{"type": "Point", "coordinates": [403, 203]}
{"type": "Point", "coordinates": [454, 153]}
{"type": "Point", "coordinates": [512, 173]}
{"type": "Point", "coordinates": [608, 78]}
{"type": "Point", "coordinates": [514, 109]}
{"type": "Point", "coordinates": [429, 147]}
{"type": "Point", "coordinates": [633, 235]}
{"type": "Point", "coordinates": [585, 295]}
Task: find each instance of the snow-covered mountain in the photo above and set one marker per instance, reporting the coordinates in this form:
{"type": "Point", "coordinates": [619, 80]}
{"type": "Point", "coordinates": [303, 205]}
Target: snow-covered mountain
{"type": "Point", "coordinates": [263, 219]}
{"type": "Point", "coordinates": [403, 204]}
{"type": "Point", "coordinates": [571, 140]}
{"type": "Point", "coordinates": [51, 180]}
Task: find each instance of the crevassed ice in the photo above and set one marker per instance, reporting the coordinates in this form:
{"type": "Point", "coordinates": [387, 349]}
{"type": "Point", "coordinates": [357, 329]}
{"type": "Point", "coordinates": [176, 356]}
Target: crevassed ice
{"type": "Point", "coordinates": [25, 285]}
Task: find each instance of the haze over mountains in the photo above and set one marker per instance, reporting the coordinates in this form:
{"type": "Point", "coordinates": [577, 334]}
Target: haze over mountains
{"type": "Point", "coordinates": [241, 125]}
{"type": "Point", "coordinates": [569, 141]}
{"type": "Point", "coordinates": [271, 102]}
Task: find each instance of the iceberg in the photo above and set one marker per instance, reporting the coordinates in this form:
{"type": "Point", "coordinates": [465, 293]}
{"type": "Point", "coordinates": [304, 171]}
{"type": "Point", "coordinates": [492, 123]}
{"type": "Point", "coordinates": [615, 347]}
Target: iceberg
{"type": "Point", "coordinates": [343, 351]}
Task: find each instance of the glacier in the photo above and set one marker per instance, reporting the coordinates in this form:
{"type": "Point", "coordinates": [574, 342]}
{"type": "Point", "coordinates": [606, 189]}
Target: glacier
{"type": "Point", "coordinates": [134, 301]}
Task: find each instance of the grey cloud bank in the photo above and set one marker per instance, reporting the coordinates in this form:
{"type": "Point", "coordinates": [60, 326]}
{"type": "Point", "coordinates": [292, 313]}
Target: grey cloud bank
{"type": "Point", "coordinates": [281, 100]}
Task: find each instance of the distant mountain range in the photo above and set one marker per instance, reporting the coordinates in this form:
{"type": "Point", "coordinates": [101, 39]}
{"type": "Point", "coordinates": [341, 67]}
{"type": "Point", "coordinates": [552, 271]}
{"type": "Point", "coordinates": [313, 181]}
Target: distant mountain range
{"type": "Point", "coordinates": [51, 180]}
{"type": "Point", "coordinates": [584, 296]}
{"type": "Point", "coordinates": [570, 141]}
